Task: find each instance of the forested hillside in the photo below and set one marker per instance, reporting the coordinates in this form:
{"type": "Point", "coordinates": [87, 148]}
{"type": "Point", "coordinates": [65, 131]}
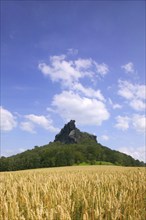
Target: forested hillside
{"type": "Point", "coordinates": [58, 154]}
{"type": "Point", "coordinates": [70, 147]}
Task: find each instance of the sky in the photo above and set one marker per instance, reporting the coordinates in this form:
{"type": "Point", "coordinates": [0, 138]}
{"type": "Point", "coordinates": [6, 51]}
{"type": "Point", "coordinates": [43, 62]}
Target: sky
{"type": "Point", "coordinates": [79, 60]}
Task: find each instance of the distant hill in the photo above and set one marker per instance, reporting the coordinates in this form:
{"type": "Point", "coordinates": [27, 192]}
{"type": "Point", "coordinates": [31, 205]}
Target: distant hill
{"type": "Point", "coordinates": [71, 146]}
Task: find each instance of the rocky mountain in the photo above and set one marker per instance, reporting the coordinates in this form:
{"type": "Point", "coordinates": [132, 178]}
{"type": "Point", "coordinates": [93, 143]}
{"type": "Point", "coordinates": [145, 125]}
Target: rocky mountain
{"type": "Point", "coordinates": [69, 134]}
{"type": "Point", "coordinates": [70, 147]}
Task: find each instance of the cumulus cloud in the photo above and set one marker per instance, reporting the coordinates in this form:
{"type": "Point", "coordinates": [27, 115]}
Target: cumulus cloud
{"type": "Point", "coordinates": [69, 71]}
{"type": "Point", "coordinates": [60, 69]}
{"type": "Point", "coordinates": [139, 122]}
{"type": "Point", "coordinates": [83, 64]}
{"type": "Point", "coordinates": [137, 153]}
{"type": "Point", "coordinates": [84, 104]}
{"type": "Point", "coordinates": [28, 126]}
{"type": "Point", "coordinates": [117, 106]}
{"type": "Point", "coordinates": [114, 105]}
{"type": "Point", "coordinates": [8, 120]}
{"type": "Point", "coordinates": [88, 92]}
{"type": "Point", "coordinates": [40, 121]}
{"type": "Point", "coordinates": [135, 94]}
{"type": "Point", "coordinates": [136, 121]}
{"type": "Point", "coordinates": [130, 91]}
{"type": "Point", "coordinates": [129, 67]}
{"type": "Point", "coordinates": [102, 69]}
{"type": "Point", "coordinates": [84, 110]}
{"type": "Point", "coordinates": [138, 105]}
{"type": "Point", "coordinates": [122, 122]}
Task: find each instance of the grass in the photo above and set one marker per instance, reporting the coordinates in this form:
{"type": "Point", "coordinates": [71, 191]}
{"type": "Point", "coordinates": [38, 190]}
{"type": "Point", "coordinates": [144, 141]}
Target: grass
{"type": "Point", "coordinates": [94, 163]}
{"type": "Point", "coordinates": [73, 193]}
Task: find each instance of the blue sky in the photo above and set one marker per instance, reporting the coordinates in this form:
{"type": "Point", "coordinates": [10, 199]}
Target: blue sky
{"type": "Point", "coordinates": [73, 60]}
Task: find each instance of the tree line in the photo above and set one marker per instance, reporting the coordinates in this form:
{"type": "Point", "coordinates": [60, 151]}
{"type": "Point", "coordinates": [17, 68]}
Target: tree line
{"type": "Point", "coordinates": [58, 154]}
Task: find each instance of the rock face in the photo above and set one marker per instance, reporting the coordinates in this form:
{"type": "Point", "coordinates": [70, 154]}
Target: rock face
{"type": "Point", "coordinates": [70, 134]}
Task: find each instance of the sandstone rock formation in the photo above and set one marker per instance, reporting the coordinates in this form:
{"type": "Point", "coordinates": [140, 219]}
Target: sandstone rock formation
{"type": "Point", "coordinates": [70, 134]}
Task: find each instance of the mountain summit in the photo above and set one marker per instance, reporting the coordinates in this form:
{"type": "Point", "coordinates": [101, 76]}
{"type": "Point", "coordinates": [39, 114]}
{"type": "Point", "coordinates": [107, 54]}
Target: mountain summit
{"type": "Point", "coordinates": [70, 147]}
{"type": "Point", "coordinates": [69, 134]}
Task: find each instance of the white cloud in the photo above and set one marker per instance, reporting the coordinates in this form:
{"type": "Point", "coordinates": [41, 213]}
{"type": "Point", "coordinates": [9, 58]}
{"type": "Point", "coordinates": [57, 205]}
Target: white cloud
{"type": "Point", "coordinates": [8, 121]}
{"type": "Point", "coordinates": [102, 69]}
{"type": "Point", "coordinates": [129, 67]}
{"type": "Point", "coordinates": [27, 126]}
{"type": "Point", "coordinates": [138, 105]}
{"type": "Point", "coordinates": [137, 122]}
{"type": "Point", "coordinates": [88, 92]}
{"type": "Point", "coordinates": [117, 106]}
{"type": "Point", "coordinates": [45, 69]}
{"type": "Point", "coordinates": [41, 121]}
{"type": "Point", "coordinates": [114, 105]}
{"type": "Point", "coordinates": [122, 122]}
{"type": "Point", "coordinates": [131, 91]}
{"type": "Point", "coordinates": [62, 70]}
{"type": "Point", "coordinates": [84, 110]}
{"type": "Point", "coordinates": [84, 104]}
{"type": "Point", "coordinates": [135, 94]}
{"type": "Point", "coordinates": [83, 64]}
{"type": "Point", "coordinates": [70, 71]}
{"type": "Point", "coordinates": [138, 153]}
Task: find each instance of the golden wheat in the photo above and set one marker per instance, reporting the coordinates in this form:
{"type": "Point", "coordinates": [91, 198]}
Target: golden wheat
{"type": "Point", "coordinates": [73, 193]}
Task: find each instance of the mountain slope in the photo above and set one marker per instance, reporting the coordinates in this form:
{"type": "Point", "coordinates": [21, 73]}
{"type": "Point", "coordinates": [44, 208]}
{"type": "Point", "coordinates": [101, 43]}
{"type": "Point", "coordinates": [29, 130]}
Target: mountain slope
{"type": "Point", "coordinates": [71, 146]}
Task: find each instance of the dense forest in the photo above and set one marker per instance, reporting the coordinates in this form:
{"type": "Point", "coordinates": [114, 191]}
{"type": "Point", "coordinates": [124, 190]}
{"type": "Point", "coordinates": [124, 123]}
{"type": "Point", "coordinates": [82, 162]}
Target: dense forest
{"type": "Point", "coordinates": [70, 147]}
{"type": "Point", "coordinates": [58, 154]}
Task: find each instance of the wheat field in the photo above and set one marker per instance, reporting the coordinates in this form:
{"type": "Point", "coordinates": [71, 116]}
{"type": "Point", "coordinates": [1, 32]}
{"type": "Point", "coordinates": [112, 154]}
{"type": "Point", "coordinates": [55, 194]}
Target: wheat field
{"type": "Point", "coordinates": [73, 193]}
